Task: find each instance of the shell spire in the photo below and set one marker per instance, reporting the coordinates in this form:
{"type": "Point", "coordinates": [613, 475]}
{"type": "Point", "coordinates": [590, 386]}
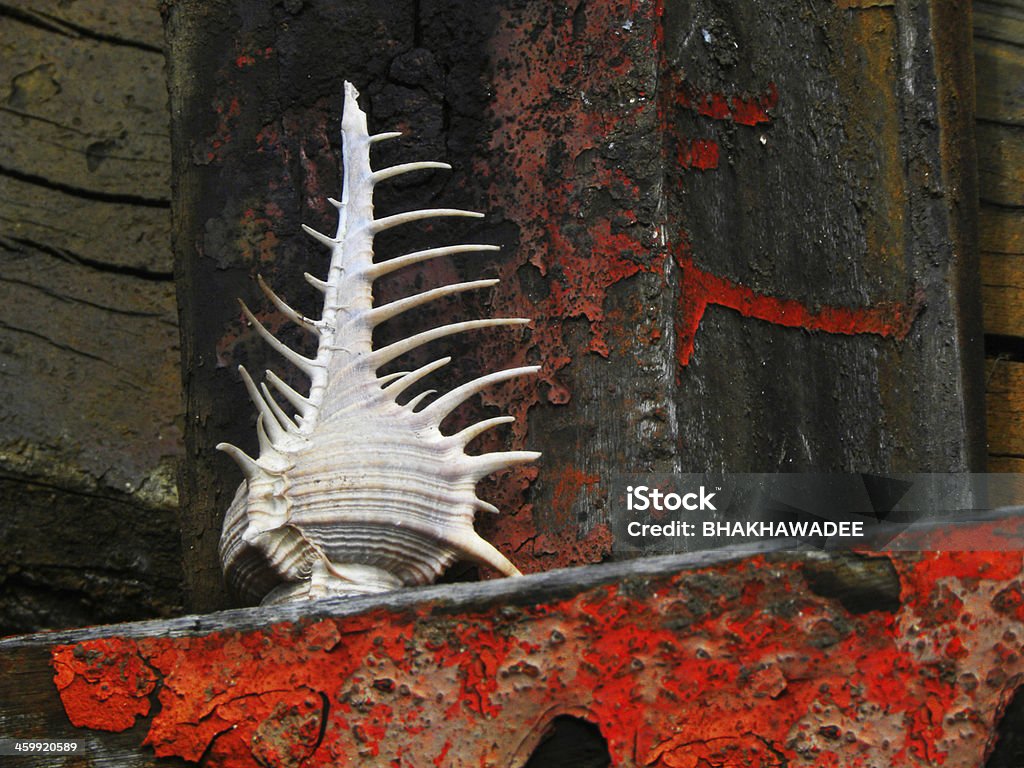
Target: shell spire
{"type": "Point", "coordinates": [356, 493]}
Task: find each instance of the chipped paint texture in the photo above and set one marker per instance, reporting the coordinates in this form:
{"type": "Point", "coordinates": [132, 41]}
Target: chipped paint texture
{"type": "Point", "coordinates": [674, 185]}
{"type": "Point", "coordinates": [737, 664]}
{"type": "Point", "coordinates": [572, 88]}
{"type": "Point", "coordinates": [700, 289]}
{"type": "Point", "coordinates": [550, 86]}
{"type": "Point", "coordinates": [105, 685]}
{"type": "Point", "coordinates": [587, 145]}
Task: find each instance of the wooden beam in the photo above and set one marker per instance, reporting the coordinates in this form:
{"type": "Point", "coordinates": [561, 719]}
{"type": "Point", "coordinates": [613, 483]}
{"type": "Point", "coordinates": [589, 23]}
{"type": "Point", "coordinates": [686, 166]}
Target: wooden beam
{"type": "Point", "coordinates": [1005, 408]}
{"type": "Point", "coordinates": [762, 657]}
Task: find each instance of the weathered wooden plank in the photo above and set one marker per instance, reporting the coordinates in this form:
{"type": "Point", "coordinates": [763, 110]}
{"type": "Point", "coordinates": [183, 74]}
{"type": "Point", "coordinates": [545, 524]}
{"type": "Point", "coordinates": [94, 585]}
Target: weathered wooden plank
{"type": "Point", "coordinates": [1002, 285]}
{"type": "Point", "coordinates": [1009, 464]}
{"type": "Point", "coordinates": [1005, 407]}
{"type": "Point", "coordinates": [84, 113]}
{"type": "Point", "coordinates": [74, 556]}
{"type": "Point", "coordinates": [134, 239]}
{"type": "Point", "coordinates": [90, 412]}
{"type": "Point", "coordinates": [1000, 231]}
{"type": "Point", "coordinates": [999, 20]}
{"type": "Point", "coordinates": [998, 41]}
{"type": "Point", "coordinates": [999, 64]}
{"type": "Point", "coordinates": [134, 25]}
{"type": "Point", "coordinates": [1001, 164]}
{"type": "Point", "coordinates": [764, 658]}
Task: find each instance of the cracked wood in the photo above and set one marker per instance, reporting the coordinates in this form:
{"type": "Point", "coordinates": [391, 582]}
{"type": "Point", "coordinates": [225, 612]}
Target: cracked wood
{"type": "Point", "coordinates": [89, 360]}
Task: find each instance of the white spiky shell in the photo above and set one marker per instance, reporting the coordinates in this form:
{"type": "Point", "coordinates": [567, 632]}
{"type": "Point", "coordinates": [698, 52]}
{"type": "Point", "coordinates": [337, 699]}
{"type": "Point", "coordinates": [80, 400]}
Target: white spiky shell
{"type": "Point", "coordinates": [357, 493]}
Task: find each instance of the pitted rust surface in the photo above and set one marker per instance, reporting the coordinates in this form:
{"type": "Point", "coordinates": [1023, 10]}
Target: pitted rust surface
{"type": "Point", "coordinates": [738, 663]}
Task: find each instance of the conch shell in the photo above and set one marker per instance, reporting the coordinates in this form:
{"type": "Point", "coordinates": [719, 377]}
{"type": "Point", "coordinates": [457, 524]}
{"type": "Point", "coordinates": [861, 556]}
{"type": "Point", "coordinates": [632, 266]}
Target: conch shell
{"type": "Point", "coordinates": [355, 493]}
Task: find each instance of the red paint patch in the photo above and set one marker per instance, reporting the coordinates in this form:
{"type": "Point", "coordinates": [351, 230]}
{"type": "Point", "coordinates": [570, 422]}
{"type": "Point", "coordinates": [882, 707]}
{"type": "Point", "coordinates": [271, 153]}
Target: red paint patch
{"type": "Point", "coordinates": [440, 759]}
{"type": "Point", "coordinates": [700, 289]}
{"type": "Point", "coordinates": [247, 59]}
{"type": "Point", "coordinates": [257, 239]}
{"type": "Point", "coordinates": [740, 109]}
{"type": "Point", "coordinates": [557, 112]}
{"type": "Point", "coordinates": [701, 154]}
{"type": "Point", "coordinates": [103, 684]}
{"type": "Point", "coordinates": [583, 280]}
{"type": "Point", "coordinates": [1010, 601]}
{"type": "Point", "coordinates": [567, 489]}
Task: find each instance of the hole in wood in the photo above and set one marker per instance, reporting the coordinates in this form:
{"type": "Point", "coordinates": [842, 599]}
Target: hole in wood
{"type": "Point", "coordinates": [571, 742]}
{"type": "Point", "coordinates": [861, 584]}
{"type": "Point", "coordinates": [1009, 749]}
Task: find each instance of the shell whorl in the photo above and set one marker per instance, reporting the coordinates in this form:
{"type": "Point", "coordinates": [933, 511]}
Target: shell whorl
{"type": "Point", "coordinates": [355, 493]}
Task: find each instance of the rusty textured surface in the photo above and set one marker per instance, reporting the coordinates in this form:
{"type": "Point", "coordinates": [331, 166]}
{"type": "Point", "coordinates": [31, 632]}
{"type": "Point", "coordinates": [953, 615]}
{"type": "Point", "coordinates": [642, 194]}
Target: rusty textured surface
{"type": "Point", "coordinates": [770, 659]}
{"type": "Point", "coordinates": [735, 227]}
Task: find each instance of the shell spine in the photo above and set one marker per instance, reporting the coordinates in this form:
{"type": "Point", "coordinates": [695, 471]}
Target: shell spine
{"type": "Point", "coordinates": [356, 493]}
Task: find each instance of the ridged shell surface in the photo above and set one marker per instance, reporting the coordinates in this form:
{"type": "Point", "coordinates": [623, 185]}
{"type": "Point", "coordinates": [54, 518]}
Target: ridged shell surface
{"type": "Point", "coordinates": [356, 493]}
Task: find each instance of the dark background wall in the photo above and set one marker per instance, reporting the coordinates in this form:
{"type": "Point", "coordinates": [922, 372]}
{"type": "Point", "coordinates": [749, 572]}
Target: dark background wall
{"type": "Point", "coordinates": [90, 409]}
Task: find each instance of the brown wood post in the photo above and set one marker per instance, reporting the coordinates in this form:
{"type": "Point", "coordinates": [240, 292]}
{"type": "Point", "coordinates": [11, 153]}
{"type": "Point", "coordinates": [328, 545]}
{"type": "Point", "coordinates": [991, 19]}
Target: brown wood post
{"type": "Point", "coordinates": [742, 231]}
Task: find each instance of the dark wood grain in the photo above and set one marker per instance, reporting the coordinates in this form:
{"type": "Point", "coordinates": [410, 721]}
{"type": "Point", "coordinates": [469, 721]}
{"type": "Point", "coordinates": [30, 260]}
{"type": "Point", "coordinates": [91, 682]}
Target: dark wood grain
{"type": "Point", "coordinates": [90, 418]}
{"type": "Point", "coordinates": [998, 43]}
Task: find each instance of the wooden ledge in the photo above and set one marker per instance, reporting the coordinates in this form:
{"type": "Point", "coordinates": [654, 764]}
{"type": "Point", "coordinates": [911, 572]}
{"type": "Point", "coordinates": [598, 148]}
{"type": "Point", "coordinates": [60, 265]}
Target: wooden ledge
{"type": "Point", "coordinates": [762, 656]}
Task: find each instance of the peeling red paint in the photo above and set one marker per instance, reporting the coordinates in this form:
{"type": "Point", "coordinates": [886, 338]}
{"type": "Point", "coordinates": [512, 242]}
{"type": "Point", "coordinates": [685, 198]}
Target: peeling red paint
{"type": "Point", "coordinates": [567, 489]}
{"type": "Point", "coordinates": [555, 69]}
{"type": "Point", "coordinates": [701, 154]}
{"type": "Point", "coordinates": [1010, 601]}
{"type": "Point", "coordinates": [227, 115]}
{"type": "Point", "coordinates": [737, 663]}
{"type": "Point", "coordinates": [440, 759]}
{"type": "Point", "coordinates": [104, 686]}
{"type": "Point", "coordinates": [555, 117]}
{"type": "Point", "coordinates": [740, 109]}
{"type": "Point", "coordinates": [250, 58]}
{"type": "Point", "coordinates": [580, 288]}
{"type": "Point", "coordinates": [593, 547]}
{"type": "Point", "coordinates": [582, 259]}
{"type": "Point", "coordinates": [700, 289]}
{"type": "Point", "coordinates": [257, 240]}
